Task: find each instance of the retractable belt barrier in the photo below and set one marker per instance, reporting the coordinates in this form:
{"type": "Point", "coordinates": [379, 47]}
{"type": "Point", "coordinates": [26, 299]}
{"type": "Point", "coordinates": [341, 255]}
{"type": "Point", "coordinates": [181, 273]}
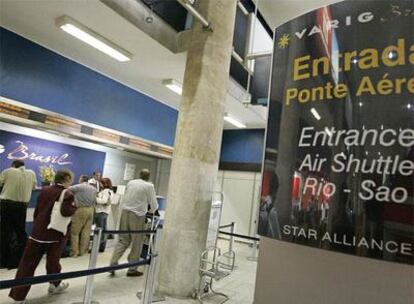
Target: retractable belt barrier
{"type": "Point", "coordinates": [5, 284]}
{"type": "Point", "coordinates": [240, 236]}
{"type": "Point", "coordinates": [67, 275]}
{"type": "Point", "coordinates": [253, 257]}
{"type": "Point", "coordinates": [128, 231]}
{"type": "Point", "coordinates": [226, 226]}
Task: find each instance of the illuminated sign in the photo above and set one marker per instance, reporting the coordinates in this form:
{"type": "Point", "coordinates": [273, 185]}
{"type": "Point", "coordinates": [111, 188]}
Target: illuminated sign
{"type": "Point", "coordinates": [339, 162]}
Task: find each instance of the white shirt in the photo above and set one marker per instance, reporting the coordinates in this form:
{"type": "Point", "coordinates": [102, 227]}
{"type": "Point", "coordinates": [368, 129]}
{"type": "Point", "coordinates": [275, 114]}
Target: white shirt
{"type": "Point", "coordinates": [95, 183]}
{"type": "Point", "coordinates": [104, 201]}
{"type": "Point", "coordinates": [138, 195]}
{"type": "Point", "coordinates": [18, 184]}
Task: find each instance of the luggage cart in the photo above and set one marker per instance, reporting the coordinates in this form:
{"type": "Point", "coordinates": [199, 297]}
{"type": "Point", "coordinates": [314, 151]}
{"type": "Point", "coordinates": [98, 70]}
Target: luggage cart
{"type": "Point", "coordinates": [213, 265]}
{"type": "Point", "coordinates": [212, 268]}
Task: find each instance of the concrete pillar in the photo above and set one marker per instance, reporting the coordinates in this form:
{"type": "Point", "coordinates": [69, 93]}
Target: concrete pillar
{"type": "Point", "coordinates": [197, 148]}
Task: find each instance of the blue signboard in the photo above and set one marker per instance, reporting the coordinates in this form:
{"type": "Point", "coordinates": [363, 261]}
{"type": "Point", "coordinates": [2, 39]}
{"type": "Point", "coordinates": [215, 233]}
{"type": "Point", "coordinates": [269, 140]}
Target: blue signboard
{"type": "Point", "coordinates": [36, 153]}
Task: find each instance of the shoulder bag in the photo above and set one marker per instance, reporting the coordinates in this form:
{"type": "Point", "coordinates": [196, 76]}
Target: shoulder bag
{"type": "Point", "coordinates": [59, 222]}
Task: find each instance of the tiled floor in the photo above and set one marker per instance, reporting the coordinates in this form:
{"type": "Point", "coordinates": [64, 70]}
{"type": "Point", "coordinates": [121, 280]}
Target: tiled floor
{"type": "Point", "coordinates": [122, 290]}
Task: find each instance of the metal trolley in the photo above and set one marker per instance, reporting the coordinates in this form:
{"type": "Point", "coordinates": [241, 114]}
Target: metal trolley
{"type": "Point", "coordinates": [214, 265]}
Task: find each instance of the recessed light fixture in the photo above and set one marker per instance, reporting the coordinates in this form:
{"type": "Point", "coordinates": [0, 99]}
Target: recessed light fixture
{"type": "Point", "coordinates": [173, 85]}
{"type": "Point", "coordinates": [315, 114]}
{"type": "Point", "coordinates": [92, 38]}
{"type": "Point", "coordinates": [234, 122]}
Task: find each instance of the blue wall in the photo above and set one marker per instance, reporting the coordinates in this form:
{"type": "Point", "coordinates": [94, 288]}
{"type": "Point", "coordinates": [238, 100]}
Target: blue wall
{"type": "Point", "coordinates": [35, 75]}
{"type": "Point", "coordinates": [42, 78]}
{"type": "Point", "coordinates": [242, 146]}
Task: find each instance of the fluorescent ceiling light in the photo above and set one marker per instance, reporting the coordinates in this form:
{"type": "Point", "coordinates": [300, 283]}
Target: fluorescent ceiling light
{"type": "Point", "coordinates": [173, 85]}
{"type": "Point", "coordinates": [234, 122]}
{"type": "Point", "coordinates": [315, 114]}
{"type": "Point", "coordinates": [92, 38]}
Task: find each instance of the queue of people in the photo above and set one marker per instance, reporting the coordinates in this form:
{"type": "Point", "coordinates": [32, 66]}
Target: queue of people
{"type": "Point", "coordinates": [84, 203]}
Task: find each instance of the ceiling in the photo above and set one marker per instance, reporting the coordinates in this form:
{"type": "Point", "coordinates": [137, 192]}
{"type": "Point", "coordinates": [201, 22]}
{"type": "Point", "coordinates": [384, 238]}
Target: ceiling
{"type": "Point", "coordinates": [277, 12]}
{"type": "Point", "coordinates": [151, 63]}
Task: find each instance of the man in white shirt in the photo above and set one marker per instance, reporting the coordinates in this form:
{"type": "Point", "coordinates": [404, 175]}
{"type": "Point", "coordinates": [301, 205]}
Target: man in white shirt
{"type": "Point", "coordinates": [139, 194]}
{"type": "Point", "coordinates": [17, 183]}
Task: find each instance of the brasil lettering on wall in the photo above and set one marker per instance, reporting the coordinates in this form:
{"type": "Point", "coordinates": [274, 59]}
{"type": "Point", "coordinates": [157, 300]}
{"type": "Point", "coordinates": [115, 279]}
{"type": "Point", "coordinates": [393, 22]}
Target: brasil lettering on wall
{"type": "Point", "coordinates": [37, 153]}
{"type": "Point", "coordinates": [339, 162]}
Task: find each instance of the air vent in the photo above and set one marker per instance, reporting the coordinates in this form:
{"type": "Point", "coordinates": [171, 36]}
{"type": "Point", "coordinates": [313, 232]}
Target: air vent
{"type": "Point", "coordinates": [39, 117]}
{"type": "Point", "coordinates": [86, 130]}
{"type": "Point", "coordinates": [124, 140]}
{"type": "Point", "coordinates": [154, 148]}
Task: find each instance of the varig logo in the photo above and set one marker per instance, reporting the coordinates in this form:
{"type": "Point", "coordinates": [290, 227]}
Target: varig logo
{"type": "Point", "coordinates": [284, 41]}
{"type": "Point", "coordinates": [326, 25]}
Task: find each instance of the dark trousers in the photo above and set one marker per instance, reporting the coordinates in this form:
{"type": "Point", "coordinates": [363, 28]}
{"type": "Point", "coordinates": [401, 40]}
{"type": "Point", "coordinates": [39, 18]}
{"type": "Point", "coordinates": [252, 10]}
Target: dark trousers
{"type": "Point", "coordinates": [100, 221]}
{"type": "Point", "coordinates": [13, 232]}
{"type": "Point", "coordinates": [31, 257]}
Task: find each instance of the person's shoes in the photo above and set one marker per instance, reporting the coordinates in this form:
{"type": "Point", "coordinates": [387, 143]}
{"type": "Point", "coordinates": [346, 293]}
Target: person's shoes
{"type": "Point", "coordinates": [58, 289]}
{"type": "Point", "coordinates": [135, 273]}
{"type": "Point", "coordinates": [112, 272]}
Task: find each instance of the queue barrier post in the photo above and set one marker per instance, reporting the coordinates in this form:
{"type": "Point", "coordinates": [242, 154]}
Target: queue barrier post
{"type": "Point", "coordinates": [232, 231]}
{"type": "Point", "coordinates": [149, 290]}
{"type": "Point", "coordinates": [254, 245]}
{"type": "Point", "coordinates": [88, 294]}
{"type": "Point", "coordinates": [231, 254]}
{"type": "Point", "coordinates": [253, 257]}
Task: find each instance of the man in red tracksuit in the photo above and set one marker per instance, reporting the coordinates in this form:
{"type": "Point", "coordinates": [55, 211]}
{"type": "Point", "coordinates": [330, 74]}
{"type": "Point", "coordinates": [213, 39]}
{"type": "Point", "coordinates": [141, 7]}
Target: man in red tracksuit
{"type": "Point", "coordinates": [44, 240]}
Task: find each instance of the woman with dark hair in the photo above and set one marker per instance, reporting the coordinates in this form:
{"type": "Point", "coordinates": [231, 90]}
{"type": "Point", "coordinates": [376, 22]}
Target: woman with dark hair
{"type": "Point", "coordinates": [103, 208]}
{"type": "Point", "coordinates": [44, 240]}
